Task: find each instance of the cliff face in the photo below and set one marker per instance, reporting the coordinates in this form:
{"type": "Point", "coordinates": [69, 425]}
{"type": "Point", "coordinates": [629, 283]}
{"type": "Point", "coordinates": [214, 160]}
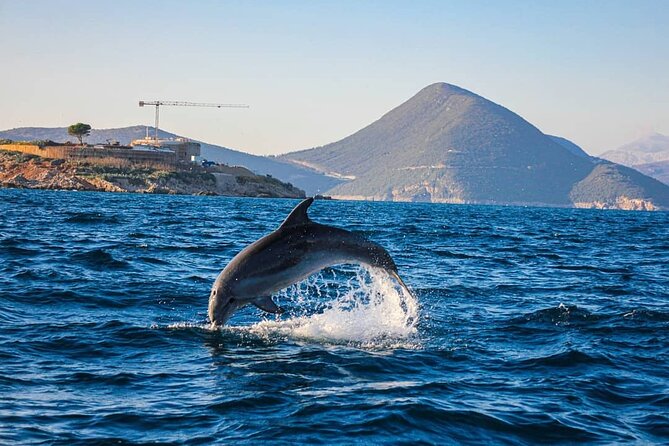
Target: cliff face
{"type": "Point", "coordinates": [32, 172]}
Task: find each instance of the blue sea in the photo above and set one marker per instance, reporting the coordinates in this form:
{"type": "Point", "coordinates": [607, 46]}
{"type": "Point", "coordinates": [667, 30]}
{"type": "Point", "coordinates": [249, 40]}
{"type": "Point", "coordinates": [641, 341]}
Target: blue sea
{"type": "Point", "coordinates": [527, 325]}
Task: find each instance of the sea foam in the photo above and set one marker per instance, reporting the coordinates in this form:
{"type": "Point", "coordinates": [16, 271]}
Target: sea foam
{"type": "Point", "coordinates": [368, 309]}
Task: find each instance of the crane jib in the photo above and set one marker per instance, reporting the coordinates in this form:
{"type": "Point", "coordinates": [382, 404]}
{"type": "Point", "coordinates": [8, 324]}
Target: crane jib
{"type": "Point", "coordinates": [157, 104]}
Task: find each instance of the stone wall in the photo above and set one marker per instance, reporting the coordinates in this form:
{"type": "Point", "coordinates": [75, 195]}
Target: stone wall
{"type": "Point", "coordinates": [92, 154]}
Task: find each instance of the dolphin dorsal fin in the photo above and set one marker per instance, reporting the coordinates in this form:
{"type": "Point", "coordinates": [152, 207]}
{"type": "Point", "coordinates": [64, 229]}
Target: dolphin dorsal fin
{"type": "Point", "coordinates": [298, 216]}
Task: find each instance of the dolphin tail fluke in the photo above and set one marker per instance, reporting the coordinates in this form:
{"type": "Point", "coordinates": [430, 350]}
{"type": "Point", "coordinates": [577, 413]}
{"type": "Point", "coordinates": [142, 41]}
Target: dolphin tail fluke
{"type": "Point", "coordinates": [401, 282]}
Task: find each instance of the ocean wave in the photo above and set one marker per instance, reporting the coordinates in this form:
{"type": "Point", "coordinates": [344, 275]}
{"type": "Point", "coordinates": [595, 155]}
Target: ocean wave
{"type": "Point", "coordinates": [92, 218]}
{"type": "Point", "coordinates": [99, 259]}
{"type": "Point", "coordinates": [569, 358]}
{"type": "Point", "coordinates": [453, 255]}
{"type": "Point", "coordinates": [16, 251]}
{"type": "Point", "coordinates": [599, 269]}
{"type": "Point", "coordinates": [560, 315]}
{"type": "Point", "coordinates": [646, 315]}
{"type": "Point", "coordinates": [152, 260]}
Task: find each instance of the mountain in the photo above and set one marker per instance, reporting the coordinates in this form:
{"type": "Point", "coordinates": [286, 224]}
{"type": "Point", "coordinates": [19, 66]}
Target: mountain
{"type": "Point", "coordinates": [649, 149]}
{"type": "Point", "coordinates": [307, 179]}
{"type": "Point", "coordinates": [447, 144]}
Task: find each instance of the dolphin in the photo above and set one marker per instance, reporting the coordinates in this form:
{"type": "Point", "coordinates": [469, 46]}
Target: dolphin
{"type": "Point", "coordinates": [290, 254]}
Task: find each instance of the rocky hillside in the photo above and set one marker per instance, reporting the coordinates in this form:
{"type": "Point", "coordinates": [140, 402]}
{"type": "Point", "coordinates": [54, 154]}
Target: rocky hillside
{"type": "Point", "coordinates": [32, 172]}
{"type": "Point", "coordinates": [447, 144]}
{"type": "Point", "coordinates": [311, 181]}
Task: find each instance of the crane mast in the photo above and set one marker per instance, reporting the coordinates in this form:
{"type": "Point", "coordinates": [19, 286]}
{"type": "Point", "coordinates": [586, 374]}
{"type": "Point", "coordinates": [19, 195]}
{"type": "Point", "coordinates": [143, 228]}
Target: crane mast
{"type": "Point", "coordinates": [157, 104]}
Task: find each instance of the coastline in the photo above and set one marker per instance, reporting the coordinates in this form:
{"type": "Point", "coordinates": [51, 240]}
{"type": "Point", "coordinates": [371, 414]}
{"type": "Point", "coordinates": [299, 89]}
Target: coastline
{"type": "Point", "coordinates": [23, 171]}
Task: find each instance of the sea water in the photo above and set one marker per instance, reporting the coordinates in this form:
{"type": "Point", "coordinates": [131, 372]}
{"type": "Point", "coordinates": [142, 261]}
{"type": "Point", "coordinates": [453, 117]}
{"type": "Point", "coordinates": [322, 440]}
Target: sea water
{"type": "Point", "coordinates": [523, 325]}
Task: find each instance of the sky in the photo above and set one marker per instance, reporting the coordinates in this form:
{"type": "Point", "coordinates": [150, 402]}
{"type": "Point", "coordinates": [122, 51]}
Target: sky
{"type": "Point", "coordinates": [313, 72]}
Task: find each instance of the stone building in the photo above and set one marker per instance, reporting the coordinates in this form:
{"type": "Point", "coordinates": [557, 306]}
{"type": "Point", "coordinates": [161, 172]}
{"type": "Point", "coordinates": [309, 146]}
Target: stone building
{"type": "Point", "coordinates": [183, 148]}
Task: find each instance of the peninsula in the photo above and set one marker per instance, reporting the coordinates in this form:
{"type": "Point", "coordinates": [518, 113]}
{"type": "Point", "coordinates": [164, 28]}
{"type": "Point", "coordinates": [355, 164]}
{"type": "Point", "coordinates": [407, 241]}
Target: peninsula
{"type": "Point", "coordinates": [29, 171]}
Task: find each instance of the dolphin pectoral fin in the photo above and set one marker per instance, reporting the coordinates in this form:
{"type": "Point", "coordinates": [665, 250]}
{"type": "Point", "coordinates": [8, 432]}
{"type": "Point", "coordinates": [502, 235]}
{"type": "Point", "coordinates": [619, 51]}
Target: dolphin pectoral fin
{"type": "Point", "coordinates": [267, 304]}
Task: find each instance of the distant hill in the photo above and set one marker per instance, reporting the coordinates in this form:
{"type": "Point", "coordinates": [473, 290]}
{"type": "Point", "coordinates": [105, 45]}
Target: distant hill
{"type": "Point", "coordinates": [447, 144]}
{"type": "Point", "coordinates": [611, 185]}
{"type": "Point", "coordinates": [59, 134]}
{"type": "Point", "coordinates": [309, 180]}
{"type": "Point", "coordinates": [649, 149]}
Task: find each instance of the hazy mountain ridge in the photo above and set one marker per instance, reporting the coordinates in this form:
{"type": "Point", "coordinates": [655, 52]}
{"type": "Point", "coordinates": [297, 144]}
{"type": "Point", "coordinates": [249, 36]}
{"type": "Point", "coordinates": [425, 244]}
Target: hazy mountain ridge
{"type": "Point", "coordinates": [98, 136]}
{"type": "Point", "coordinates": [648, 149]}
{"type": "Point", "coordinates": [658, 170]}
{"type": "Point", "coordinates": [307, 179]}
{"type": "Point", "coordinates": [649, 154]}
{"type": "Point", "coordinates": [447, 144]}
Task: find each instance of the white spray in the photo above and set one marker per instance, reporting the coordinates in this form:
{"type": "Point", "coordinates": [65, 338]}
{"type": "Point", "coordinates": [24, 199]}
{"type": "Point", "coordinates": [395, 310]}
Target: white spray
{"type": "Point", "coordinates": [371, 309]}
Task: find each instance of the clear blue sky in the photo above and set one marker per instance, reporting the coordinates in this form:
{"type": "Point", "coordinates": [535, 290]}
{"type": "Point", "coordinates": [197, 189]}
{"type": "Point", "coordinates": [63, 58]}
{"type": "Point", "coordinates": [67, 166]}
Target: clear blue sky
{"type": "Point", "coordinates": [596, 72]}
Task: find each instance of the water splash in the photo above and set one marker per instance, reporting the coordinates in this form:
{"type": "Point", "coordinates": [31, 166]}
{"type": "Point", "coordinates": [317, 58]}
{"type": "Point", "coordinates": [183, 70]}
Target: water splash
{"type": "Point", "coordinates": [367, 309]}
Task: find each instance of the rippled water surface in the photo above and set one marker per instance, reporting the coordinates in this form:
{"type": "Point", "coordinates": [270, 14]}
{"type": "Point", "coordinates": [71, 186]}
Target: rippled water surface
{"type": "Point", "coordinates": [529, 325]}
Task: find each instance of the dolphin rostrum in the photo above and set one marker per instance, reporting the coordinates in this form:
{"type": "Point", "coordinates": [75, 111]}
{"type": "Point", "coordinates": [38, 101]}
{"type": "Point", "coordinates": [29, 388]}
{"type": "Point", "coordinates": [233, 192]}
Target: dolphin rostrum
{"type": "Point", "coordinates": [296, 250]}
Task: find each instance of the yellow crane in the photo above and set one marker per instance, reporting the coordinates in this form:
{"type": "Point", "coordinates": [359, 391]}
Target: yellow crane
{"type": "Point", "coordinates": [157, 104]}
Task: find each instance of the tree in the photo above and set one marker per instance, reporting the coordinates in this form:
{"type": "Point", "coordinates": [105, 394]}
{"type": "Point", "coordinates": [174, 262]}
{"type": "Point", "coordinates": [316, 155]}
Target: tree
{"type": "Point", "coordinates": [79, 130]}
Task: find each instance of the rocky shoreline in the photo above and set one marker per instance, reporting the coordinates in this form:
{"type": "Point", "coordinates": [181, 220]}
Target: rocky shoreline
{"type": "Point", "coordinates": [18, 170]}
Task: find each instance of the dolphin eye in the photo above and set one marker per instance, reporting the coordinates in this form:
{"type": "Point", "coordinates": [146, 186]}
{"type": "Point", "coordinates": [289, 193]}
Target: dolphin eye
{"type": "Point", "coordinates": [213, 293]}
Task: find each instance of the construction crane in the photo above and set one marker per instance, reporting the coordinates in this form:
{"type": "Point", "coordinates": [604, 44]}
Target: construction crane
{"type": "Point", "coordinates": [157, 104]}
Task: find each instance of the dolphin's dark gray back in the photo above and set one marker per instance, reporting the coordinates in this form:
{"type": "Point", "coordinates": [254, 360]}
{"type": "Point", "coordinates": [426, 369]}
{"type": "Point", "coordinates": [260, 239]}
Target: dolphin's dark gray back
{"type": "Point", "coordinates": [300, 247]}
{"type": "Point", "coordinates": [318, 237]}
